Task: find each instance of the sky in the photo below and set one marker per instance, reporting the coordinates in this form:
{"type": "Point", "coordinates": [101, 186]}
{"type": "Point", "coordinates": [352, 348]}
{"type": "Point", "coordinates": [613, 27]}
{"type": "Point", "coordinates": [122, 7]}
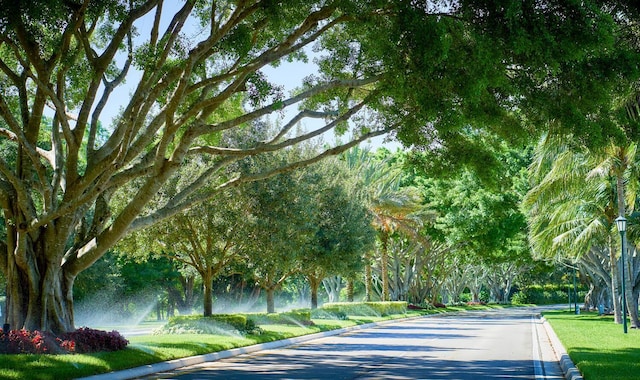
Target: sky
{"type": "Point", "coordinates": [290, 75]}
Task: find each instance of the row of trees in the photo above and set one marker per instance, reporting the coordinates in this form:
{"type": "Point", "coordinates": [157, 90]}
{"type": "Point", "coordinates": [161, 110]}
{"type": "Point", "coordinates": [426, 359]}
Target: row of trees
{"type": "Point", "coordinates": [317, 225]}
{"type": "Point", "coordinates": [304, 222]}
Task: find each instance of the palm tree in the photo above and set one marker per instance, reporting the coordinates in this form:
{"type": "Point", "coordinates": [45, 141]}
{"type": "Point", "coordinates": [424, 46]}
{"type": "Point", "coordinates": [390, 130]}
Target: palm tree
{"type": "Point", "coordinates": [394, 207]}
{"type": "Point", "coordinates": [576, 196]}
{"type": "Point", "coordinates": [618, 163]}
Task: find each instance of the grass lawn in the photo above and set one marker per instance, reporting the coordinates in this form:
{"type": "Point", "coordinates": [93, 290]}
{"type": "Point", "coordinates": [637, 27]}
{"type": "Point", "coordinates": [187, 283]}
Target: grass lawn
{"type": "Point", "coordinates": [148, 349]}
{"type": "Point", "coordinates": [598, 346]}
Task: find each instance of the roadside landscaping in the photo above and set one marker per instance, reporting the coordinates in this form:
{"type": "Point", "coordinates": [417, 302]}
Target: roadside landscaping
{"type": "Point", "coordinates": [597, 346]}
{"type": "Point", "coordinates": [148, 349]}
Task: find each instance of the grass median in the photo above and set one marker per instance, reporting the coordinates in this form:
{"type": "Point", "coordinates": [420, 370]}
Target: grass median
{"type": "Point", "coordinates": [598, 346]}
{"type": "Point", "coordinates": [149, 349]}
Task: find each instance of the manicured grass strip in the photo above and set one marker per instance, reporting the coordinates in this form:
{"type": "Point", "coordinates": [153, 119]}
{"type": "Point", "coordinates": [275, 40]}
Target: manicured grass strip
{"type": "Point", "coordinates": [149, 349]}
{"type": "Point", "coordinates": [598, 346]}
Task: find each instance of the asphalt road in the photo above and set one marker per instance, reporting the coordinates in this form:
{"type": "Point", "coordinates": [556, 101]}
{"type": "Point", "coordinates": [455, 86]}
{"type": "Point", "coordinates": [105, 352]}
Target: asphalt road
{"type": "Point", "coordinates": [504, 344]}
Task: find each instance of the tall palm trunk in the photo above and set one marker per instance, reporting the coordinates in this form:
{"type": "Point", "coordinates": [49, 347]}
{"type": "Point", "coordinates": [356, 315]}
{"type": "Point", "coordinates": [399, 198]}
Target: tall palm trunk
{"type": "Point", "coordinates": [367, 281]}
{"type": "Point", "coordinates": [350, 290]}
{"type": "Point", "coordinates": [384, 266]}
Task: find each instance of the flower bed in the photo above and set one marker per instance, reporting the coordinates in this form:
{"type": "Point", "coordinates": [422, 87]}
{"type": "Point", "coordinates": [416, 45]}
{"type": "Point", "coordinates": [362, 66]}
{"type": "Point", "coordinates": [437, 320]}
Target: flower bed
{"type": "Point", "coordinates": [83, 340]}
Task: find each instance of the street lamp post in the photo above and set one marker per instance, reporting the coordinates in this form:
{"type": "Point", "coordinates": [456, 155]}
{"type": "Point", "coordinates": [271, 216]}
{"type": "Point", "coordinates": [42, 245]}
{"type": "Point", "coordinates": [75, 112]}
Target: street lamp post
{"type": "Point", "coordinates": [621, 222]}
{"type": "Point", "coordinates": [576, 309]}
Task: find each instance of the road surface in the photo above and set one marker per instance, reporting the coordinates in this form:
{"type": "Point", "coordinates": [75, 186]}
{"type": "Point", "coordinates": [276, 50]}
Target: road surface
{"type": "Point", "coordinates": [502, 344]}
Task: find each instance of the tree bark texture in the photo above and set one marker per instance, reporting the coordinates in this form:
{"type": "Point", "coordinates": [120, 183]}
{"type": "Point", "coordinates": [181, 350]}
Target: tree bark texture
{"type": "Point", "coordinates": [314, 284]}
{"type": "Point", "coordinates": [57, 183]}
{"type": "Point", "coordinates": [384, 266]}
{"type": "Point", "coordinates": [367, 282]}
{"type": "Point", "coordinates": [271, 304]}
{"type": "Point", "coordinates": [207, 285]}
{"type": "Point", "coordinates": [350, 290]}
{"type": "Point", "coordinates": [39, 287]}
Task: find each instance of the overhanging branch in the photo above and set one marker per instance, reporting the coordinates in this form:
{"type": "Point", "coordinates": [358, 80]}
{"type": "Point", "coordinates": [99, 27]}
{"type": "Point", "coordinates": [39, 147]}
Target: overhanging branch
{"type": "Point", "coordinates": [172, 208]}
{"type": "Point", "coordinates": [273, 107]}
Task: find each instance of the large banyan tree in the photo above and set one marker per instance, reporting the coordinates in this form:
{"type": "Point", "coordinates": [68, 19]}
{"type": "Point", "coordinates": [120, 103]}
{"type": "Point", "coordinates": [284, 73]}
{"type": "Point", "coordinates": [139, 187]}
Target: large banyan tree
{"type": "Point", "coordinates": [102, 101]}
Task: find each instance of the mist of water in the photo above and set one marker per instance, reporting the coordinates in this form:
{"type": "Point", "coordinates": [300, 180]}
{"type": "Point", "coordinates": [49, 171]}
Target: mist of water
{"type": "Point", "coordinates": [295, 322]}
{"type": "Point", "coordinates": [111, 311]}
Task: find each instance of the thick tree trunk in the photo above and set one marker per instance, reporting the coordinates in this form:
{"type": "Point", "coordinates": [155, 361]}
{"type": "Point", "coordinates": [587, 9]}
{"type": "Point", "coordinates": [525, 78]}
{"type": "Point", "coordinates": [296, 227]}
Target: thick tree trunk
{"type": "Point", "coordinates": [350, 290]}
{"type": "Point", "coordinates": [271, 305]}
{"type": "Point", "coordinates": [207, 283]}
{"type": "Point", "coordinates": [633, 309]}
{"type": "Point", "coordinates": [314, 284]}
{"type": "Point", "coordinates": [39, 298]}
{"type": "Point", "coordinates": [632, 303]}
{"type": "Point", "coordinates": [333, 287]}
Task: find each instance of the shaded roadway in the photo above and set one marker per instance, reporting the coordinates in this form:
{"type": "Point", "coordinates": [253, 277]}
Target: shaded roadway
{"type": "Point", "coordinates": [499, 344]}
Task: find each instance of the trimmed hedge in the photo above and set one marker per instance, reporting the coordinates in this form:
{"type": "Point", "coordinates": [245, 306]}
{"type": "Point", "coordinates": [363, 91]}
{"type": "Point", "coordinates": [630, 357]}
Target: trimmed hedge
{"type": "Point", "coordinates": [214, 324]}
{"type": "Point", "coordinates": [328, 314]}
{"type": "Point", "coordinates": [366, 308]}
{"type": "Point", "coordinates": [240, 323]}
{"type": "Point", "coordinates": [293, 317]}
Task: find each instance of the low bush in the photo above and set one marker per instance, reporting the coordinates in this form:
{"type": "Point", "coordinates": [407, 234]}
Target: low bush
{"type": "Point", "coordinates": [83, 340]}
{"type": "Point", "coordinates": [293, 317]}
{"type": "Point", "coordinates": [366, 308]}
{"type": "Point", "coordinates": [326, 314]}
{"type": "Point", "coordinates": [424, 306]}
{"type": "Point", "coordinates": [86, 340]}
{"type": "Point", "coordinates": [543, 295]}
{"type": "Point", "coordinates": [214, 324]}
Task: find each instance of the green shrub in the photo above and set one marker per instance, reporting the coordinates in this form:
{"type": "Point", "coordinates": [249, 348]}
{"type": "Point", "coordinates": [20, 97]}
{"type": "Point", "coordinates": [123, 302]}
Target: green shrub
{"type": "Point", "coordinates": [519, 298]}
{"type": "Point", "coordinates": [542, 294]}
{"type": "Point", "coordinates": [214, 324]}
{"type": "Point", "coordinates": [293, 317]}
{"type": "Point", "coordinates": [366, 308]}
{"type": "Point", "coordinates": [82, 340]}
{"type": "Point", "coordinates": [328, 314]}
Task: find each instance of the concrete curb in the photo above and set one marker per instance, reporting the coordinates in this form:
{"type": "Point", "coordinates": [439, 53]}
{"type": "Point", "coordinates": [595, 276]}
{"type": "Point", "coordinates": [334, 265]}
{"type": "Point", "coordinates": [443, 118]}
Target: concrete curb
{"type": "Point", "coordinates": [569, 369]}
{"type": "Point", "coordinates": [150, 369]}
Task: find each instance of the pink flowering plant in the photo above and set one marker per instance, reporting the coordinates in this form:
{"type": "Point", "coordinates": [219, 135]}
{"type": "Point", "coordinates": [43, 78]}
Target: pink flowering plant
{"type": "Point", "coordinates": [83, 340]}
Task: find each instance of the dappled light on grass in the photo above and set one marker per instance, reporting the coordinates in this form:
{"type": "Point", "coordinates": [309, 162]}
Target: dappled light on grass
{"type": "Point", "coordinates": [288, 331]}
{"type": "Point", "coordinates": [52, 367]}
{"type": "Point", "coordinates": [295, 323]}
{"type": "Point", "coordinates": [188, 344]}
{"type": "Point", "coordinates": [597, 345]}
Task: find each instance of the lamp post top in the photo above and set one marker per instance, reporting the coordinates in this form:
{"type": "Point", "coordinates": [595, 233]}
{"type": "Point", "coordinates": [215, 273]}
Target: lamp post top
{"type": "Point", "coordinates": [621, 223]}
